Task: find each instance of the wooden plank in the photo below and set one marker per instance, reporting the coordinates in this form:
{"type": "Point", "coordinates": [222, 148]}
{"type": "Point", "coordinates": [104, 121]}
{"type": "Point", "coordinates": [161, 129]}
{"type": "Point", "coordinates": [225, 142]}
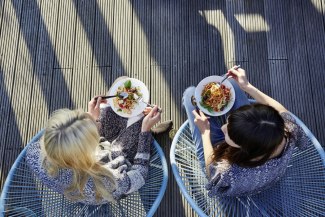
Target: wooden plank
{"type": "Point", "coordinates": [82, 66]}
{"type": "Point", "coordinates": [159, 39]}
{"type": "Point", "coordinates": [315, 45]}
{"type": "Point", "coordinates": [121, 64]}
{"type": "Point", "coordinates": [43, 72]}
{"type": "Point", "coordinates": [65, 36]}
{"type": "Point", "coordinates": [101, 76]}
{"type": "Point", "coordinates": [9, 158]}
{"type": "Point", "coordinates": [60, 96]}
{"type": "Point", "coordinates": [141, 41]}
{"type": "Point", "coordinates": [279, 78]}
{"type": "Point", "coordinates": [256, 45]}
{"type": "Point", "coordinates": [198, 42]}
{"type": "Point", "coordinates": [104, 48]}
{"type": "Point", "coordinates": [237, 43]}
{"type": "Point", "coordinates": [298, 64]}
{"type": "Point", "coordinates": [218, 29]}
{"type": "Point", "coordinates": [5, 110]}
{"type": "Point", "coordinates": [169, 48]}
{"type": "Point", "coordinates": [24, 71]}
{"type": "Point", "coordinates": [8, 44]}
{"type": "Point", "coordinates": [2, 3]}
{"type": "Point", "coordinates": [9, 40]}
{"type": "Point", "coordinates": [276, 43]}
{"type": "Point", "coordinates": [323, 12]}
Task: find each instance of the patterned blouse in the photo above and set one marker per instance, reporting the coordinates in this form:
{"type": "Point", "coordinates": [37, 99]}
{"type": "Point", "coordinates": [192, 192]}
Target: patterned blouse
{"type": "Point", "coordinates": [125, 151]}
{"type": "Point", "coordinates": [233, 180]}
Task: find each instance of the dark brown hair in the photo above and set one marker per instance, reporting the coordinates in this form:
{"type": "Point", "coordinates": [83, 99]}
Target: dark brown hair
{"type": "Point", "coordinates": [258, 129]}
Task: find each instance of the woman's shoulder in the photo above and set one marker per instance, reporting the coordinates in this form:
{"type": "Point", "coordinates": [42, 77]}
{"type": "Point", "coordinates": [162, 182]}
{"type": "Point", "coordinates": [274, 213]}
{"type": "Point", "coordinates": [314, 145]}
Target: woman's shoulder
{"type": "Point", "coordinates": [33, 154]}
{"type": "Point", "coordinates": [297, 136]}
{"type": "Point", "coordinates": [235, 180]}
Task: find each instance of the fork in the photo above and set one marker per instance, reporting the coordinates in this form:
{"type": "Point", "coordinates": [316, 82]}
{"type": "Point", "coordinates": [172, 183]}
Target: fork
{"type": "Point", "coordinates": [226, 76]}
{"type": "Point", "coordinates": [140, 99]}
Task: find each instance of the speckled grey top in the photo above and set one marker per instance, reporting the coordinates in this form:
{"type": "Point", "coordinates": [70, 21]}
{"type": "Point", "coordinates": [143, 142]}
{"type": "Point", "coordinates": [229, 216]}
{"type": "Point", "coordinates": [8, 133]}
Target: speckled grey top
{"type": "Point", "coordinates": [125, 151]}
{"type": "Point", "coordinates": [233, 180]}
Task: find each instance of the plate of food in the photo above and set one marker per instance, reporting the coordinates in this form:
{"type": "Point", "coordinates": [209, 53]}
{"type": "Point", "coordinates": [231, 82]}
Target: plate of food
{"type": "Point", "coordinates": [214, 99]}
{"type": "Point", "coordinates": [128, 106]}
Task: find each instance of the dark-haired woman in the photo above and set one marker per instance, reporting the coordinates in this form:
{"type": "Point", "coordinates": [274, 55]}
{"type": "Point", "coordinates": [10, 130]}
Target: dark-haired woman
{"type": "Point", "coordinates": [250, 149]}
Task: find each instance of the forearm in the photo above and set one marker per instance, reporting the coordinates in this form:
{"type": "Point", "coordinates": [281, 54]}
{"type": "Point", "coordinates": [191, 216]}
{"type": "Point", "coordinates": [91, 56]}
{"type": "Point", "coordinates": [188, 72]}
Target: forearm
{"type": "Point", "coordinates": [262, 98]}
{"type": "Point", "coordinates": [207, 148]}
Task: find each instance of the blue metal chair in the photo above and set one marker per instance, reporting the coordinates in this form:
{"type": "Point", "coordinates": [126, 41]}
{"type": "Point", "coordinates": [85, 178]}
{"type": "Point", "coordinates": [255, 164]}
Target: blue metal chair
{"type": "Point", "coordinates": [24, 195]}
{"type": "Point", "coordinates": [301, 192]}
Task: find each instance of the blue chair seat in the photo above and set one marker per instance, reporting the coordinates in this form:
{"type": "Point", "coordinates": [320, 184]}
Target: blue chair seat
{"type": "Point", "coordinates": [24, 195]}
{"type": "Point", "coordinates": [301, 192]}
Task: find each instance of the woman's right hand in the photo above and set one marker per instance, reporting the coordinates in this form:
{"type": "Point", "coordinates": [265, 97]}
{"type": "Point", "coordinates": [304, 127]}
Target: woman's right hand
{"type": "Point", "coordinates": [239, 75]}
{"type": "Point", "coordinates": [202, 122]}
{"type": "Point", "coordinates": [93, 106]}
{"type": "Point", "coordinates": [150, 120]}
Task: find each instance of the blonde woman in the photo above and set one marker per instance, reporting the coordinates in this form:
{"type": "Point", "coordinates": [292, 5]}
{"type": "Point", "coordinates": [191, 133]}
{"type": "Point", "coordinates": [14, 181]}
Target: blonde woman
{"type": "Point", "coordinates": [93, 157]}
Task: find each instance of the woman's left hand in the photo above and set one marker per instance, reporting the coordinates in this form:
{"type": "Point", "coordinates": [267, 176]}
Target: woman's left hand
{"type": "Point", "coordinates": [93, 106]}
{"type": "Point", "coordinates": [202, 122]}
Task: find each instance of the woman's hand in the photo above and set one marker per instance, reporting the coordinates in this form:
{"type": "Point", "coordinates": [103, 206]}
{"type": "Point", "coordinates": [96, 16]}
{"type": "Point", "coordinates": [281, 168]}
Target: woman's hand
{"type": "Point", "coordinates": [147, 110]}
{"type": "Point", "coordinates": [202, 122]}
{"type": "Point", "coordinates": [93, 106]}
{"type": "Point", "coordinates": [239, 75]}
{"type": "Point", "coordinates": [151, 119]}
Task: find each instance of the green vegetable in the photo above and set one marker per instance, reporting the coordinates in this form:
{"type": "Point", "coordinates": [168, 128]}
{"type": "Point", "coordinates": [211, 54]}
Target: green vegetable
{"type": "Point", "coordinates": [206, 107]}
{"type": "Point", "coordinates": [119, 110]}
{"type": "Point", "coordinates": [127, 84]}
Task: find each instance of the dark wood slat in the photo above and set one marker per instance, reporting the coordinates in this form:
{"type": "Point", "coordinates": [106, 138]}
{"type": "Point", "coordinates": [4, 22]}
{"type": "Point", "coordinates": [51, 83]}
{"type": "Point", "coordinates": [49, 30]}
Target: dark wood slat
{"type": "Point", "coordinates": [101, 76]}
{"type": "Point", "coordinates": [9, 46]}
{"type": "Point", "coordinates": [121, 64]}
{"type": "Point", "coordinates": [60, 96]}
{"type": "Point", "coordinates": [258, 70]}
{"type": "Point", "coordinates": [104, 48]}
{"type": "Point", "coordinates": [276, 43]}
{"type": "Point", "coordinates": [82, 65]}
{"type": "Point", "coordinates": [315, 44]}
{"type": "Point", "coordinates": [279, 78]}
{"type": "Point", "coordinates": [24, 71]}
{"type": "Point", "coordinates": [218, 29]}
{"type": "Point", "coordinates": [9, 158]}
{"type": "Point", "coordinates": [141, 58]}
{"type": "Point", "coordinates": [43, 72]}
{"type": "Point", "coordinates": [2, 3]}
{"type": "Point", "coordinates": [167, 49]}
{"type": "Point", "coordinates": [298, 63]}
{"type": "Point", "coordinates": [66, 33]}
{"type": "Point", "coordinates": [237, 43]}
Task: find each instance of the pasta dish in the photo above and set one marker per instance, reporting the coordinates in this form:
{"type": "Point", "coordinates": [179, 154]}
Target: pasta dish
{"type": "Point", "coordinates": [215, 97]}
{"type": "Point", "coordinates": [126, 105]}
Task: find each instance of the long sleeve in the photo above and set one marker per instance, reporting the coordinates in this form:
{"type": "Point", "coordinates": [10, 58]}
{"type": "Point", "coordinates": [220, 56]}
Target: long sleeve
{"type": "Point", "coordinates": [132, 178]}
{"type": "Point", "coordinates": [298, 136]}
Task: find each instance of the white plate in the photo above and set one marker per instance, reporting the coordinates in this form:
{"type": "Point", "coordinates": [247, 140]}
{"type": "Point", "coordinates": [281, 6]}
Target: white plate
{"type": "Point", "coordinates": [199, 88]}
{"type": "Point", "coordinates": [138, 108]}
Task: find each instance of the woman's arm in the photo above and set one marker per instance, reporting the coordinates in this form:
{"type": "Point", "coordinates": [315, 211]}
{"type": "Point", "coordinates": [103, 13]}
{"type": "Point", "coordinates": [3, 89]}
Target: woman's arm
{"type": "Point", "coordinates": [203, 124]}
{"type": "Point", "coordinates": [134, 179]}
{"type": "Point", "coordinates": [240, 76]}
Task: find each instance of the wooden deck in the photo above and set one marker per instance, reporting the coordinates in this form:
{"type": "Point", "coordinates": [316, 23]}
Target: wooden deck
{"type": "Point", "coordinates": [59, 53]}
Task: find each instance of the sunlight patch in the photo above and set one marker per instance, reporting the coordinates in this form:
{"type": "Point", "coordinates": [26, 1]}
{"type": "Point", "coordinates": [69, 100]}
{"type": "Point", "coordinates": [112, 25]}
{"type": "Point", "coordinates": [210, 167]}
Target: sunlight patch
{"type": "Point", "coordinates": [252, 22]}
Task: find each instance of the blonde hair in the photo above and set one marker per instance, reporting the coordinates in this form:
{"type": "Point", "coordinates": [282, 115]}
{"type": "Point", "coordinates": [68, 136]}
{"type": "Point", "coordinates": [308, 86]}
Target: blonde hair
{"type": "Point", "coordinates": [70, 140]}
